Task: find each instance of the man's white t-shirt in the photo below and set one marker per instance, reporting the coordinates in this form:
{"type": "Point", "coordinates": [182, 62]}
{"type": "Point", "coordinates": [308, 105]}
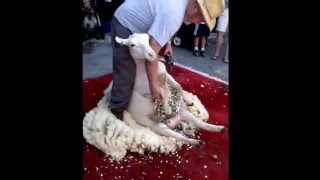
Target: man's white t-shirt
{"type": "Point", "coordinates": [159, 18]}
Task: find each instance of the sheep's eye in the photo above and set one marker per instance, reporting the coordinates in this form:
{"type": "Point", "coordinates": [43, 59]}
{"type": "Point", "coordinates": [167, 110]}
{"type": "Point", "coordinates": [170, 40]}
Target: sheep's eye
{"type": "Point", "coordinates": [132, 45]}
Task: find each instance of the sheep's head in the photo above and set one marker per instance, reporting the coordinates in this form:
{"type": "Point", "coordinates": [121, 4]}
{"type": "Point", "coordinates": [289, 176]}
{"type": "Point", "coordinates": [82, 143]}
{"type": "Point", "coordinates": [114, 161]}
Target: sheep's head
{"type": "Point", "coordinates": [139, 47]}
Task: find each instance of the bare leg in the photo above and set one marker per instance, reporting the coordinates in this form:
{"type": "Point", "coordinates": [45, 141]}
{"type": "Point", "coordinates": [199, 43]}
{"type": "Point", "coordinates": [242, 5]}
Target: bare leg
{"type": "Point", "coordinates": [187, 116]}
{"type": "Point", "coordinates": [196, 46]}
{"type": "Point", "coordinates": [226, 57]}
{"type": "Point", "coordinates": [203, 46]}
{"type": "Point", "coordinates": [196, 41]}
{"type": "Point", "coordinates": [219, 42]}
{"type": "Point", "coordinates": [203, 42]}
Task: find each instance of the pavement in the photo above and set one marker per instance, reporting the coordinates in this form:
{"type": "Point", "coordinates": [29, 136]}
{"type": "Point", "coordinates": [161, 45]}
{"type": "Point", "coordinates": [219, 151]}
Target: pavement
{"type": "Point", "coordinates": [97, 59]}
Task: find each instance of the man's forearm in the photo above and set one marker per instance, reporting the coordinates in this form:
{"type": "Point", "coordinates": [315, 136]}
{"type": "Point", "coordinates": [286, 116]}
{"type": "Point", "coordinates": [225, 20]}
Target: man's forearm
{"type": "Point", "coordinates": [152, 73]}
{"type": "Point", "coordinates": [152, 67]}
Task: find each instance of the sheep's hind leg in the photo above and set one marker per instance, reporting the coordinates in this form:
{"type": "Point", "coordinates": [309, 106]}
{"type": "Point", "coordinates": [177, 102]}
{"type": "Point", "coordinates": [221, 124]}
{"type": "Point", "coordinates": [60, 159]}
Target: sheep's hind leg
{"type": "Point", "coordinates": [173, 122]}
{"type": "Point", "coordinates": [162, 129]}
{"type": "Point", "coordinates": [187, 116]}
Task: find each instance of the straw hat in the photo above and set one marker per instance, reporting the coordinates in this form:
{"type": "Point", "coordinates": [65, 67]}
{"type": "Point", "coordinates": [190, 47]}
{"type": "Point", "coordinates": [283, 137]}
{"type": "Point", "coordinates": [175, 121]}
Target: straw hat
{"type": "Point", "coordinates": [210, 10]}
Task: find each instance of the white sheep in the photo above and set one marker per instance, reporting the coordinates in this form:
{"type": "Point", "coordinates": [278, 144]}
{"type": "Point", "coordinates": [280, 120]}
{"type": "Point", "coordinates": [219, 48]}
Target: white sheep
{"type": "Point", "coordinates": [115, 137]}
{"type": "Point", "coordinates": [142, 107]}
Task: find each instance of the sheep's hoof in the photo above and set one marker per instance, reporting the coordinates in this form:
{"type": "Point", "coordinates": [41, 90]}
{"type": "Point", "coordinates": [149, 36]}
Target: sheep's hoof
{"type": "Point", "coordinates": [190, 104]}
{"type": "Point", "coordinates": [147, 150]}
{"type": "Point", "coordinates": [224, 129]}
{"type": "Point", "coordinates": [200, 144]}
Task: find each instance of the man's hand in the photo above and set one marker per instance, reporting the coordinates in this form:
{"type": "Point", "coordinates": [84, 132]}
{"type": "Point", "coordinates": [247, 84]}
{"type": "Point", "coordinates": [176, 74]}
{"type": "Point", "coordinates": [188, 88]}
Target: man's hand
{"type": "Point", "coordinates": [157, 92]}
{"type": "Point", "coordinates": [167, 50]}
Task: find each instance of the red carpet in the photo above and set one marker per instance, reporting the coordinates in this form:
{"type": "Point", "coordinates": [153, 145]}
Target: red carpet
{"type": "Point", "coordinates": [208, 162]}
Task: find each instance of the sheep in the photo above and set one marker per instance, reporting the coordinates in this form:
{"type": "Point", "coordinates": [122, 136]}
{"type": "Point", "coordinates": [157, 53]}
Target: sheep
{"type": "Point", "coordinates": [141, 106]}
{"type": "Point", "coordinates": [115, 137]}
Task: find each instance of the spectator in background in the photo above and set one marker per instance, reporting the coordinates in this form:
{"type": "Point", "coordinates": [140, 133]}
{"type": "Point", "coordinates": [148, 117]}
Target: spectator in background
{"type": "Point", "coordinates": [226, 57]}
{"type": "Point", "coordinates": [201, 32]}
{"type": "Point", "coordinates": [222, 26]}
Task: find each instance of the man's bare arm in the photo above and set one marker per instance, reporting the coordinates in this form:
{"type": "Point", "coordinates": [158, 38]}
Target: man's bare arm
{"type": "Point", "coordinates": [152, 71]}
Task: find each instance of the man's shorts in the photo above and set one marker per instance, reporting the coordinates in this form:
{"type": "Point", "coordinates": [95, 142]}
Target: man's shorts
{"type": "Point", "coordinates": [201, 30]}
{"type": "Point", "coordinates": [223, 21]}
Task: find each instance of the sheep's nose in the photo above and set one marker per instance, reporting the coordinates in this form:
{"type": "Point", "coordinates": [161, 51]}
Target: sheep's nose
{"type": "Point", "coordinates": [149, 54]}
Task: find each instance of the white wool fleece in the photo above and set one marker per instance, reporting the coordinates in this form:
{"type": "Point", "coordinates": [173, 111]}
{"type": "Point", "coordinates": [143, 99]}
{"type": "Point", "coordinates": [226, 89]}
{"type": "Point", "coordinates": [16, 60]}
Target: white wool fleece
{"type": "Point", "coordinates": [115, 137]}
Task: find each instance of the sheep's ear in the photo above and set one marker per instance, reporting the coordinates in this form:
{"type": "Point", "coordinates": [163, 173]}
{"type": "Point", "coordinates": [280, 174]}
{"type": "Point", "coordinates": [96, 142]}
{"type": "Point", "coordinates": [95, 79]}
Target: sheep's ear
{"type": "Point", "coordinates": [121, 41]}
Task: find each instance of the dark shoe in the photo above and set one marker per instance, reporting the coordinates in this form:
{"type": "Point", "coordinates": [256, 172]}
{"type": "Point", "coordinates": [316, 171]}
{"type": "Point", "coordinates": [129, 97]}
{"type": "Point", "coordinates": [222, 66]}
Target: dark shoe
{"type": "Point", "coordinates": [203, 53]}
{"type": "Point", "coordinates": [118, 112]}
{"type": "Point", "coordinates": [195, 53]}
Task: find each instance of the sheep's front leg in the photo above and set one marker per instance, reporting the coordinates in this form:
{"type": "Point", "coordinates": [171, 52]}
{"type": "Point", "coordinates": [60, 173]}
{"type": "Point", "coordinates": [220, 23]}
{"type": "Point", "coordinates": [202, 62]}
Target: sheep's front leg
{"type": "Point", "coordinates": [165, 93]}
{"type": "Point", "coordinates": [176, 85]}
{"type": "Point", "coordinates": [187, 116]}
